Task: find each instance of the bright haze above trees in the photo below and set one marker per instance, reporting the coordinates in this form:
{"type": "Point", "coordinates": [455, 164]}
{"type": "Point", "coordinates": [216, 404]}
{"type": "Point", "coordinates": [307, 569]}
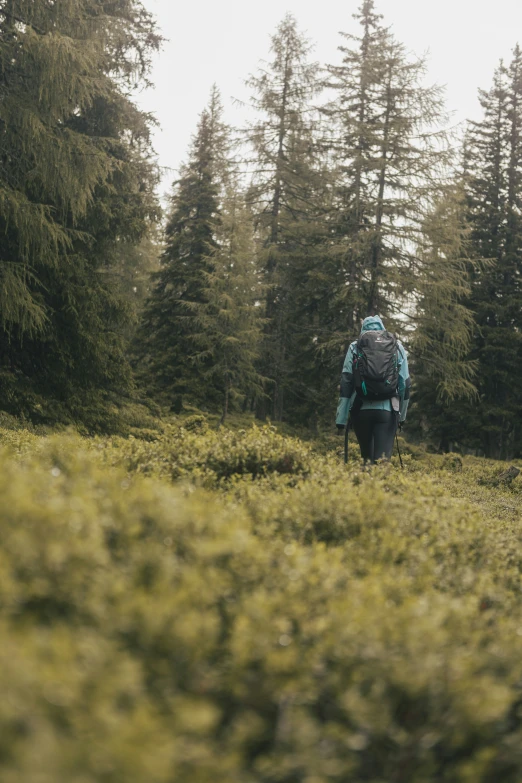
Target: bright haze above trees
{"type": "Point", "coordinates": [233, 36]}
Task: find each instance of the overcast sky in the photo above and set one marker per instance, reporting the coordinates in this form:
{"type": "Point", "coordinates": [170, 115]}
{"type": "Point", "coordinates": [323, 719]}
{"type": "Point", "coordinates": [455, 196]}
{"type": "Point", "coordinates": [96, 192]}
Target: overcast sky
{"type": "Point", "coordinates": [223, 41]}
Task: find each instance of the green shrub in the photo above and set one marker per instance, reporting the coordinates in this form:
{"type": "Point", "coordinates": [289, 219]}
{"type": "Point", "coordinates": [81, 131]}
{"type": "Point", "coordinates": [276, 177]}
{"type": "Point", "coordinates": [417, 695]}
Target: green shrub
{"type": "Point", "coordinates": [301, 622]}
{"type": "Point", "coordinates": [210, 456]}
{"type": "Point", "coordinates": [196, 423]}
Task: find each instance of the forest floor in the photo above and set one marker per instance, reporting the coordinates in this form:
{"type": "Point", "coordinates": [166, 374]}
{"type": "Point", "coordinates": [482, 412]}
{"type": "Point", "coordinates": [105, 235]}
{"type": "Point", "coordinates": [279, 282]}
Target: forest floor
{"type": "Point", "coordinates": [188, 604]}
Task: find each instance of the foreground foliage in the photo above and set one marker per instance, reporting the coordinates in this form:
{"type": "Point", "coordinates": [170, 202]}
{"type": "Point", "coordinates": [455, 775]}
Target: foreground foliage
{"type": "Point", "coordinates": [270, 616]}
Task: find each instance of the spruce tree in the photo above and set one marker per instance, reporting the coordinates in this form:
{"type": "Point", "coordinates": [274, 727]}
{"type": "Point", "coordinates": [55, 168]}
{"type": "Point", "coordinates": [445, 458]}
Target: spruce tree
{"type": "Point", "coordinates": [311, 277]}
{"type": "Point", "coordinates": [390, 147]}
{"type": "Point", "coordinates": [56, 61]}
{"type": "Point", "coordinates": [77, 179]}
{"type": "Point", "coordinates": [166, 340]}
{"type": "Point", "coordinates": [129, 273]}
{"type": "Point", "coordinates": [281, 194]}
{"type": "Point", "coordinates": [495, 204]}
{"type": "Point", "coordinates": [228, 324]}
{"type": "Point", "coordinates": [445, 375]}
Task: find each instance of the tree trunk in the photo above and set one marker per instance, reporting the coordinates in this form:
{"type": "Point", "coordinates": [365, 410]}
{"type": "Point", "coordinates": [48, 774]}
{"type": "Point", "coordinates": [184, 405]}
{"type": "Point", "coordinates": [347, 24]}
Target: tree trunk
{"type": "Point", "coordinates": [373, 298]}
{"type": "Point", "coordinates": [278, 406]}
{"type": "Point", "coordinates": [273, 333]}
{"type": "Point", "coordinates": [225, 404]}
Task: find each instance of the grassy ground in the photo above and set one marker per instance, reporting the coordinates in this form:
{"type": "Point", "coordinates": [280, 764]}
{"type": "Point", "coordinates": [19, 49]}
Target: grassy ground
{"type": "Point", "coordinates": [205, 606]}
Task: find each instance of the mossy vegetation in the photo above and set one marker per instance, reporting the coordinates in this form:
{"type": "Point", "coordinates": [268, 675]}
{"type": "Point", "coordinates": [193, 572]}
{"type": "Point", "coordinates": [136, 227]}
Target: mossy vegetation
{"type": "Point", "coordinates": [210, 606]}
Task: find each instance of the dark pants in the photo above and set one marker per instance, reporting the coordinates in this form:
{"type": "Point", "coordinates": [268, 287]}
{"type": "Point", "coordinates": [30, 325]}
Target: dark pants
{"type": "Point", "coordinates": [375, 431]}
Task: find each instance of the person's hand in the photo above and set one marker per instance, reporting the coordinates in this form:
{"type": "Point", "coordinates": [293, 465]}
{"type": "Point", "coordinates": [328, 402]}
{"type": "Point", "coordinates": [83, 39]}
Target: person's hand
{"type": "Point", "coordinates": [401, 425]}
{"type": "Point", "coordinates": [340, 429]}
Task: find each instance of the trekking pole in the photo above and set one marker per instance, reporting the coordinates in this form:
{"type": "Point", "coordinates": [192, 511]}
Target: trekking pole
{"type": "Point", "coordinates": [346, 436]}
{"type": "Point", "coordinates": [398, 449]}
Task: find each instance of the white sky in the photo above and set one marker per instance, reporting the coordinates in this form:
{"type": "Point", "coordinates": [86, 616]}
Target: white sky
{"type": "Point", "coordinates": [223, 40]}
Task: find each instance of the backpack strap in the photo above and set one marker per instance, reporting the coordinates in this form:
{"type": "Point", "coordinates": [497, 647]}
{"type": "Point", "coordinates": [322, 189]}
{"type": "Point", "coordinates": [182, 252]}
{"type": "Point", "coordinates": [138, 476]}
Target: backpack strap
{"type": "Point", "coordinates": [355, 348]}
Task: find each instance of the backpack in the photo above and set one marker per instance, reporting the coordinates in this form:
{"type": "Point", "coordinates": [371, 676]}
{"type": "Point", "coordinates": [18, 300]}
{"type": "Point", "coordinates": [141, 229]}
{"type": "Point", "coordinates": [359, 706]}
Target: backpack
{"type": "Point", "coordinates": [376, 366]}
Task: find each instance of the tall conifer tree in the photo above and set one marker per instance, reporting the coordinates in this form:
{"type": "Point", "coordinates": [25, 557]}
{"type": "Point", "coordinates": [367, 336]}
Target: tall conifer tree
{"type": "Point", "coordinates": [391, 151]}
{"type": "Point", "coordinates": [445, 375]}
{"type": "Point", "coordinates": [76, 179]}
{"type": "Point", "coordinates": [281, 193]}
{"type": "Point", "coordinates": [228, 324]}
{"type": "Point", "coordinates": [166, 341]}
{"type": "Point", "coordinates": [495, 210]}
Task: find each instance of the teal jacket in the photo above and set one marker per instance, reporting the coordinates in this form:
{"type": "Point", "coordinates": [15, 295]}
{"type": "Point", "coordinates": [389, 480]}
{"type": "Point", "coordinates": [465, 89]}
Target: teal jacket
{"type": "Point", "coordinates": [347, 397]}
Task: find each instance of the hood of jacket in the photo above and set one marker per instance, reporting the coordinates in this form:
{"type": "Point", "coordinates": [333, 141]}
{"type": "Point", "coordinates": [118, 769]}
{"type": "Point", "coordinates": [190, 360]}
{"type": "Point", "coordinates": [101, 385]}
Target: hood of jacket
{"type": "Point", "coordinates": [372, 324]}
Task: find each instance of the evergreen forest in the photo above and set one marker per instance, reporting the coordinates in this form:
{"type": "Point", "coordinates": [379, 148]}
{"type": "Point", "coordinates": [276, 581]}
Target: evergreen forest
{"type": "Point", "coordinates": [195, 586]}
{"type": "Point", "coordinates": [349, 193]}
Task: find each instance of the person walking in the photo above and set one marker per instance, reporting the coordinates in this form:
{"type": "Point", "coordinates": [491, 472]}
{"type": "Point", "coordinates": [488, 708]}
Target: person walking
{"type": "Point", "coordinates": [375, 390]}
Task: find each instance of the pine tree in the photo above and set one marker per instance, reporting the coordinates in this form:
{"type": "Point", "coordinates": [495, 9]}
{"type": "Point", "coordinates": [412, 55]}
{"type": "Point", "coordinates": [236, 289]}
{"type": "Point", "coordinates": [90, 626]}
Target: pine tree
{"type": "Point", "coordinates": [229, 325]}
{"type": "Point", "coordinates": [282, 139]}
{"type": "Point", "coordinates": [445, 376]}
{"type": "Point", "coordinates": [495, 204]}
{"type": "Point", "coordinates": [354, 140]}
{"type": "Point", "coordinates": [391, 152]}
{"type": "Point", "coordinates": [77, 179]}
{"type": "Point", "coordinates": [166, 344]}
{"type": "Point", "coordinates": [381, 167]}
{"type": "Point", "coordinates": [310, 277]}
{"type": "Point", "coordinates": [130, 271]}
{"type": "Point", "coordinates": [53, 68]}
{"type": "Point", "coordinates": [444, 323]}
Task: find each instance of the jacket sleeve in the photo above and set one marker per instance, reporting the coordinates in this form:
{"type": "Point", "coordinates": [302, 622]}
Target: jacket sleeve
{"type": "Point", "coordinates": [404, 383]}
{"type": "Point", "coordinates": [347, 389]}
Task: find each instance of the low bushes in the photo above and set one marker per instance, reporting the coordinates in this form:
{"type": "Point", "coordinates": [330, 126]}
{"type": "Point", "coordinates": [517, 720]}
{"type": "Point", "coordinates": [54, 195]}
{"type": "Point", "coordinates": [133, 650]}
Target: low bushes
{"type": "Point", "coordinates": [314, 624]}
{"type": "Point", "coordinates": [209, 456]}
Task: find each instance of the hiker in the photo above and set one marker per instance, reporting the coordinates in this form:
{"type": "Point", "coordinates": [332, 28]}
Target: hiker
{"type": "Point", "coordinates": [375, 390]}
